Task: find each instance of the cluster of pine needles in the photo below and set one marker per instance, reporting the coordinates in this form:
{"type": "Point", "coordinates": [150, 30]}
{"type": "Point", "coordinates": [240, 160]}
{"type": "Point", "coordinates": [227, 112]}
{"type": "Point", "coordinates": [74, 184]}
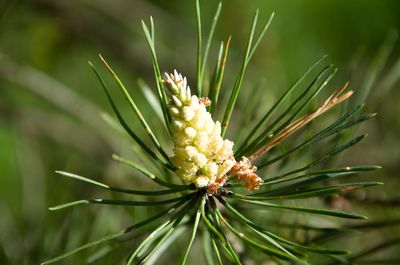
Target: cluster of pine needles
{"type": "Point", "coordinates": [234, 219]}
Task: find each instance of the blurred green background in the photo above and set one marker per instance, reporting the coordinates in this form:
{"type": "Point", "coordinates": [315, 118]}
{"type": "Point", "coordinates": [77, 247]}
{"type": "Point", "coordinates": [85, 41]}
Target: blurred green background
{"type": "Point", "coordinates": [51, 105]}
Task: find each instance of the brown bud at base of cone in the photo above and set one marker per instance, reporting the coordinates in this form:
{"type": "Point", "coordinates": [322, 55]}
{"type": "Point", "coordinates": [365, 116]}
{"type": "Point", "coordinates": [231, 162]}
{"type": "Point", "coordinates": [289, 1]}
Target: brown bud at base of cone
{"type": "Point", "coordinates": [244, 171]}
{"type": "Point", "coordinates": [214, 187]}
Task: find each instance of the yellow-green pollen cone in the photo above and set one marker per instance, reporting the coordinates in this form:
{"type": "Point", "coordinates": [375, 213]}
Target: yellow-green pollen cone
{"type": "Point", "coordinates": [201, 155]}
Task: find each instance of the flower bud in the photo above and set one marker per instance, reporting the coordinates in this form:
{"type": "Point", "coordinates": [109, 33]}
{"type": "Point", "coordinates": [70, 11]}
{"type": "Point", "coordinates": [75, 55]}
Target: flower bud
{"type": "Point", "coordinates": [201, 155]}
